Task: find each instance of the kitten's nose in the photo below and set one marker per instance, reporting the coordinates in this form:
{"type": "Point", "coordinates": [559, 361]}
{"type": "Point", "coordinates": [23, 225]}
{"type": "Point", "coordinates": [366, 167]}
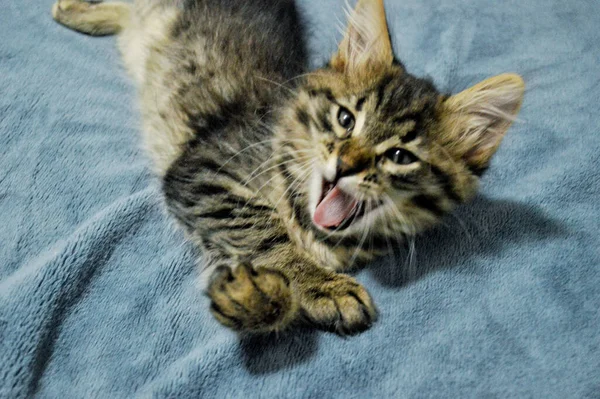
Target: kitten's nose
{"type": "Point", "coordinates": [351, 160]}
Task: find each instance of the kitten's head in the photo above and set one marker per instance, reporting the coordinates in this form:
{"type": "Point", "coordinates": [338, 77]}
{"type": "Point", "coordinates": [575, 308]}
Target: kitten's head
{"type": "Point", "coordinates": [380, 150]}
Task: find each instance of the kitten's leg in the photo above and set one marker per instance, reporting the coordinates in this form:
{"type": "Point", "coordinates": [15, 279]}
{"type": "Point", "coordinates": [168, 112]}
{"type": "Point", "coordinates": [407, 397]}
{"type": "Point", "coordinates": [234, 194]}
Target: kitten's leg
{"type": "Point", "coordinates": [94, 19]}
{"type": "Point", "coordinates": [335, 302]}
{"type": "Point", "coordinates": [249, 299]}
{"type": "Point", "coordinates": [288, 287]}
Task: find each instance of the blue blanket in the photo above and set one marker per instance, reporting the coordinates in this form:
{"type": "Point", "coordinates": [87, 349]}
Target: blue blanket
{"type": "Point", "coordinates": [100, 295]}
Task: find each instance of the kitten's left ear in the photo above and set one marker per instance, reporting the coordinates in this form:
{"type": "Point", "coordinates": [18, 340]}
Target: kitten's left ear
{"type": "Point", "coordinates": [476, 120]}
{"type": "Point", "coordinates": [367, 40]}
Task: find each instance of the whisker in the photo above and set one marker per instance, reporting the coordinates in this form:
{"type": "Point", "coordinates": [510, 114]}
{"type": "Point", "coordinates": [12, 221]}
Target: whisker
{"type": "Point", "coordinates": [359, 246]}
{"type": "Point", "coordinates": [305, 164]}
{"type": "Point", "coordinates": [238, 153]}
{"type": "Point", "coordinates": [463, 226]}
{"type": "Point", "coordinates": [302, 165]}
{"type": "Point", "coordinates": [248, 179]}
{"type": "Point", "coordinates": [297, 180]}
{"type": "Point", "coordinates": [411, 259]}
{"type": "Point", "coordinates": [301, 76]}
{"type": "Point", "coordinates": [277, 84]}
{"type": "Point", "coordinates": [411, 256]}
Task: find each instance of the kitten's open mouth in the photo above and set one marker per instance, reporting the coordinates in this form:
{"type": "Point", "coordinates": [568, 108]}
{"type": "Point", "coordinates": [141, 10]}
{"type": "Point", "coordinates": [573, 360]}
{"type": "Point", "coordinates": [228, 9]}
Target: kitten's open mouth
{"type": "Point", "coordinates": [337, 209]}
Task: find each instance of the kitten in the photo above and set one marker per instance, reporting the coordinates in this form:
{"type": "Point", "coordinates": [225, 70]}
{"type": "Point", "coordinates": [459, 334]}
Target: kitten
{"type": "Point", "coordinates": [286, 178]}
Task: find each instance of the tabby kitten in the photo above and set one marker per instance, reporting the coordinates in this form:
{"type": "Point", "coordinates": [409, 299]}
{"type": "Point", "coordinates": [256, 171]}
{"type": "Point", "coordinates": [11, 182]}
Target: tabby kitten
{"type": "Point", "coordinates": [286, 178]}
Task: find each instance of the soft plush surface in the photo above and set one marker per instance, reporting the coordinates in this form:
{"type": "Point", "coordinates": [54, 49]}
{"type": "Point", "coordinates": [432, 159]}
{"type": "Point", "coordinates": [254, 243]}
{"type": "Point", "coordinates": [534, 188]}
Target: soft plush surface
{"type": "Point", "coordinates": [99, 295]}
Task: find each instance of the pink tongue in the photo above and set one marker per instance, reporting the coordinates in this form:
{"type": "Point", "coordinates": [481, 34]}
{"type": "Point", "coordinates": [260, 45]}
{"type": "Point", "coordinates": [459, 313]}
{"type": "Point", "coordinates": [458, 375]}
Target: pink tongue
{"type": "Point", "coordinates": [334, 208]}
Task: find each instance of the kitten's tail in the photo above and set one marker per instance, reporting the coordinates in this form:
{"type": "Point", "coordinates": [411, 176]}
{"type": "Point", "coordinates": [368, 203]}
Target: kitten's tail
{"type": "Point", "coordinates": [99, 19]}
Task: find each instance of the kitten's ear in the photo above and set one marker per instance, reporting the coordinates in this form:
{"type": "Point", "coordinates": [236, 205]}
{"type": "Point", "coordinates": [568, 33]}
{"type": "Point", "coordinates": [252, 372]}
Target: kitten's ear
{"type": "Point", "coordinates": [367, 40]}
{"type": "Point", "coordinates": [477, 119]}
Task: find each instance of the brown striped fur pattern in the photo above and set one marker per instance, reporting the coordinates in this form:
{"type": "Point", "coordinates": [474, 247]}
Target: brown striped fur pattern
{"type": "Point", "coordinates": [247, 143]}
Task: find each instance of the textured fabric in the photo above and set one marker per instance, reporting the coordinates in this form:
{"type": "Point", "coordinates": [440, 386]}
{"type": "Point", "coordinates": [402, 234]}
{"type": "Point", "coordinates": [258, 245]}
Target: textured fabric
{"type": "Point", "coordinates": [100, 296]}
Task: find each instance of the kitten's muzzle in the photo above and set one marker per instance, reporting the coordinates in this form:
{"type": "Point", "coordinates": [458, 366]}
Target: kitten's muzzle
{"type": "Point", "coordinates": [352, 159]}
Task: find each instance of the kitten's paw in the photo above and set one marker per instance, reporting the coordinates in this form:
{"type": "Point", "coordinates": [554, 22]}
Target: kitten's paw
{"type": "Point", "coordinates": [340, 305]}
{"type": "Point", "coordinates": [251, 300]}
{"type": "Point", "coordinates": [62, 10]}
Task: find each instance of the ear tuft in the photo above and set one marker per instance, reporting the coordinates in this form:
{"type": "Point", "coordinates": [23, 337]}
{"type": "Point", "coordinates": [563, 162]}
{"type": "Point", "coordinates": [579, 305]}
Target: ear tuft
{"type": "Point", "coordinates": [367, 39]}
{"type": "Point", "coordinates": [477, 119]}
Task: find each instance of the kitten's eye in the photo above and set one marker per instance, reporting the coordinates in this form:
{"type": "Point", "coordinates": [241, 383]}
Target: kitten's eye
{"type": "Point", "coordinates": [401, 156]}
{"type": "Point", "coordinates": [346, 119]}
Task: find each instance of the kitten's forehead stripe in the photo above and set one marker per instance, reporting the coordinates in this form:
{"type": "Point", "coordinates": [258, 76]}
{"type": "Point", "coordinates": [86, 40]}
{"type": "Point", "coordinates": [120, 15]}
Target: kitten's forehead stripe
{"type": "Point", "coordinates": [325, 122]}
{"type": "Point", "coordinates": [381, 90]}
{"type": "Point", "coordinates": [323, 92]}
{"type": "Point", "coordinates": [360, 103]}
{"type": "Point", "coordinates": [408, 116]}
{"type": "Point", "coordinates": [410, 135]}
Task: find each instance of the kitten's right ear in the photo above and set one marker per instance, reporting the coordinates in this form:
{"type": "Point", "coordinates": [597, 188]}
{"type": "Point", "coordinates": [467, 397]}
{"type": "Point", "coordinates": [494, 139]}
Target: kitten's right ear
{"type": "Point", "coordinates": [476, 119]}
{"type": "Point", "coordinates": [367, 39]}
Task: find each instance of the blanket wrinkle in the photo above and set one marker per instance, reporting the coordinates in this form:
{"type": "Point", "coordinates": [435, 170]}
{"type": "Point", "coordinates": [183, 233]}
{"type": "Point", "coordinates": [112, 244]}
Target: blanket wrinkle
{"type": "Point", "coordinates": [61, 276]}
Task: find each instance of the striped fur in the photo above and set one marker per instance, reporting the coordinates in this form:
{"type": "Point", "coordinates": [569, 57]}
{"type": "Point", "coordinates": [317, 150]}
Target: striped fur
{"type": "Point", "coordinates": [244, 139]}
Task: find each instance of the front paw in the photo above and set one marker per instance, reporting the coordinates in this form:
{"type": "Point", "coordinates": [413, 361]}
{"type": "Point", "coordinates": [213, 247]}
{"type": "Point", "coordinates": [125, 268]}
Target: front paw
{"type": "Point", "coordinates": [251, 300]}
{"type": "Point", "coordinates": [339, 304]}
